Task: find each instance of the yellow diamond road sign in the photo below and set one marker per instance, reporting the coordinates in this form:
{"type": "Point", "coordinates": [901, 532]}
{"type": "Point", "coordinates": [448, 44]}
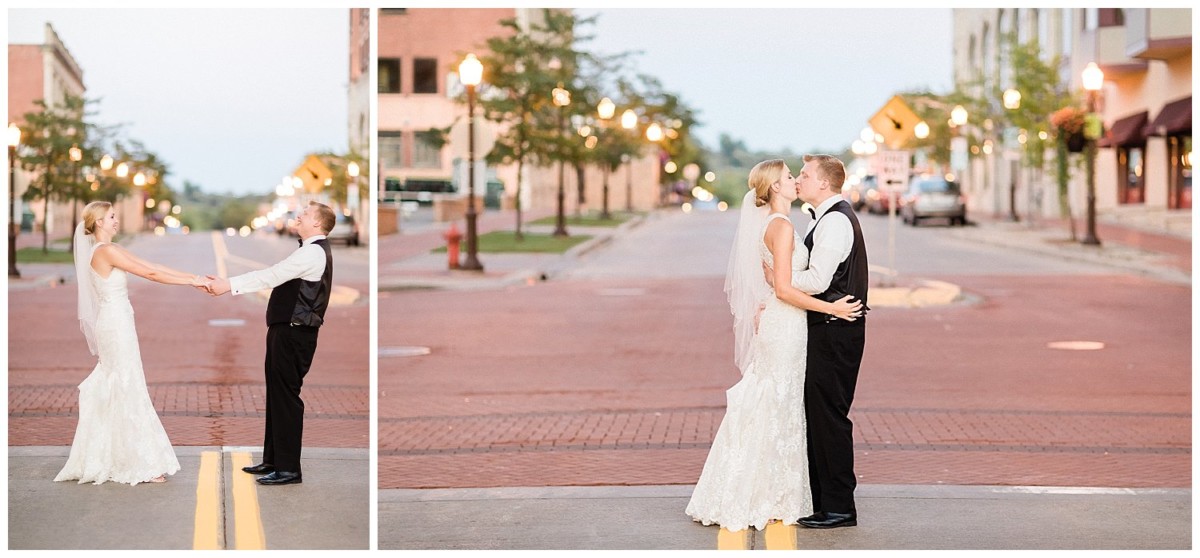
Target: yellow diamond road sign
{"type": "Point", "coordinates": [895, 122]}
{"type": "Point", "coordinates": [313, 173]}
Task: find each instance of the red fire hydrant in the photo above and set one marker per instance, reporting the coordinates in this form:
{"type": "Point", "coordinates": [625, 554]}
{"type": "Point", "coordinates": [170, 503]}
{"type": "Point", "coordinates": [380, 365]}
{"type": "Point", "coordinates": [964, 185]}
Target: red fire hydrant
{"type": "Point", "coordinates": [453, 237]}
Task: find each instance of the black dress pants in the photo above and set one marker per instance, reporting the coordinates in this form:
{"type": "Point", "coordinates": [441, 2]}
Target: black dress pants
{"type": "Point", "coordinates": [834, 353]}
{"type": "Point", "coordinates": [290, 351]}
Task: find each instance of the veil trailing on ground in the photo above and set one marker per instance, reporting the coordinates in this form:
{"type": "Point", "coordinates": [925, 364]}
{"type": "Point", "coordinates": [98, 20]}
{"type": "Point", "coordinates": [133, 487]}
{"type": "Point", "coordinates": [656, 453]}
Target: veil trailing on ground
{"type": "Point", "coordinates": [745, 285]}
{"type": "Point", "coordinates": [84, 244]}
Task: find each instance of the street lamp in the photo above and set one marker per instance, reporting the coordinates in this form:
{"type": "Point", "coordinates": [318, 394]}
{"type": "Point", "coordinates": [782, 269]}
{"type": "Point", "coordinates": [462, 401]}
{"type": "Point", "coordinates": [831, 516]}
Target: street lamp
{"type": "Point", "coordinates": [76, 155]}
{"type": "Point", "coordinates": [14, 139]}
{"type": "Point", "coordinates": [1012, 101]}
{"type": "Point", "coordinates": [654, 132]}
{"type": "Point", "coordinates": [562, 98]}
{"type": "Point", "coordinates": [921, 130]}
{"type": "Point", "coordinates": [605, 109]}
{"type": "Point", "coordinates": [628, 122]}
{"type": "Point", "coordinates": [470, 73]}
{"type": "Point", "coordinates": [1093, 80]}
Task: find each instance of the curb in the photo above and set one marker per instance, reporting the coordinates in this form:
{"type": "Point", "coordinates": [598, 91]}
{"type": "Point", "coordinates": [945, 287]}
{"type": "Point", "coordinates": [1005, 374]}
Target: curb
{"type": "Point", "coordinates": [466, 281]}
{"type": "Point", "coordinates": [996, 237]}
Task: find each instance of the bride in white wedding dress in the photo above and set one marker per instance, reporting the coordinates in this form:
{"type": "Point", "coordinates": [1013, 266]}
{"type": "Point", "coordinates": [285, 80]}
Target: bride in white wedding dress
{"type": "Point", "coordinates": [119, 437]}
{"type": "Point", "coordinates": [757, 469]}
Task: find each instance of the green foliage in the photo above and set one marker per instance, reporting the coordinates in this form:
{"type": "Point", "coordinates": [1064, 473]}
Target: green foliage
{"type": "Point", "coordinates": [339, 185]}
{"type": "Point", "coordinates": [237, 212]}
{"type": "Point", "coordinates": [506, 242]}
{"type": "Point", "coordinates": [49, 136]}
{"type": "Point", "coordinates": [52, 255]}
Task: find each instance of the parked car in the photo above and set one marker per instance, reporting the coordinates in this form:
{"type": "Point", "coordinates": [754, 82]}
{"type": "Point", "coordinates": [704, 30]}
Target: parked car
{"type": "Point", "coordinates": [854, 192]}
{"type": "Point", "coordinates": [284, 224]}
{"type": "Point", "coordinates": [344, 230]}
{"type": "Point", "coordinates": [877, 198]}
{"type": "Point", "coordinates": [933, 197]}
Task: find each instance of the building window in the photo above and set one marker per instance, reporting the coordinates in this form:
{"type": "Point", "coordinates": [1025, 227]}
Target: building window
{"type": "Point", "coordinates": [1111, 17]}
{"type": "Point", "coordinates": [391, 149]}
{"type": "Point", "coordinates": [1132, 173]}
{"type": "Point", "coordinates": [389, 75]}
{"type": "Point", "coordinates": [393, 11]}
{"type": "Point", "coordinates": [425, 75]}
{"type": "Point", "coordinates": [427, 150]}
{"type": "Point", "coordinates": [1180, 152]}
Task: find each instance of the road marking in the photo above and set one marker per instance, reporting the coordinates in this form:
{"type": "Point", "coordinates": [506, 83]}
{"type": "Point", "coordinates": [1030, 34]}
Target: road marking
{"type": "Point", "coordinates": [780, 536]}
{"type": "Point", "coordinates": [733, 540]}
{"type": "Point", "coordinates": [384, 352]}
{"type": "Point", "coordinates": [207, 533]}
{"type": "Point", "coordinates": [248, 529]}
{"type": "Point", "coordinates": [221, 253]}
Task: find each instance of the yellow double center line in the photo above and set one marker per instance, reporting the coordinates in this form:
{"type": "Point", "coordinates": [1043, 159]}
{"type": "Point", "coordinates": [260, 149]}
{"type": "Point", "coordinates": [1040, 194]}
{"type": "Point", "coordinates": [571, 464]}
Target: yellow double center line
{"type": "Point", "coordinates": [777, 537]}
{"type": "Point", "coordinates": [247, 520]}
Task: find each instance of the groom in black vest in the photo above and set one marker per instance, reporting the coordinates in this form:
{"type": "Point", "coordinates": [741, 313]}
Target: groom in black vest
{"type": "Point", "coordinates": [837, 267]}
{"type": "Point", "coordinates": [295, 312]}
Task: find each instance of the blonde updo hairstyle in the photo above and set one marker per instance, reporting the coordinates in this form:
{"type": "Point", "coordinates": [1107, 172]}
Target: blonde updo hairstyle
{"type": "Point", "coordinates": [93, 213]}
{"type": "Point", "coordinates": [762, 176]}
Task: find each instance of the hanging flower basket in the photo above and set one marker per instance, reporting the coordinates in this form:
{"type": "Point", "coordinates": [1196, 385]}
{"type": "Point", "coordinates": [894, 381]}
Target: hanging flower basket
{"type": "Point", "coordinates": [1070, 122]}
{"type": "Point", "coordinates": [1076, 143]}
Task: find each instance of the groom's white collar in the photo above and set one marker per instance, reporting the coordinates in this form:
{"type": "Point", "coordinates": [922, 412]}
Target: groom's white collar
{"type": "Point", "coordinates": [313, 239]}
{"type": "Point", "coordinates": [825, 205]}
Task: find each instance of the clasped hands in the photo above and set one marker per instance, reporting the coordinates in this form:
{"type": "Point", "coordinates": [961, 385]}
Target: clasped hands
{"type": "Point", "coordinates": [212, 285]}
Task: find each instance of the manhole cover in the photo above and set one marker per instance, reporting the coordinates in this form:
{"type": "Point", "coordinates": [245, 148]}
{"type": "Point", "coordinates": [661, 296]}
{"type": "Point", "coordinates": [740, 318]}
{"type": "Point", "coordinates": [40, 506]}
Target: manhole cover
{"type": "Point", "coordinates": [402, 351]}
{"type": "Point", "coordinates": [227, 323]}
{"type": "Point", "coordinates": [1076, 345]}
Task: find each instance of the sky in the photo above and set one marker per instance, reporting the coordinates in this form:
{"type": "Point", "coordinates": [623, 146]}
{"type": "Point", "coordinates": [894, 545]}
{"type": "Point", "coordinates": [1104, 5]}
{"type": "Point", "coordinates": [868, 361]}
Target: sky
{"type": "Point", "coordinates": [231, 99]}
{"type": "Point", "coordinates": [803, 79]}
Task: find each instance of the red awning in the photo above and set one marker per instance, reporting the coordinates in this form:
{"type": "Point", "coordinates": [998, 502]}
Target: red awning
{"type": "Point", "coordinates": [1174, 118]}
{"type": "Point", "coordinates": [1126, 131]}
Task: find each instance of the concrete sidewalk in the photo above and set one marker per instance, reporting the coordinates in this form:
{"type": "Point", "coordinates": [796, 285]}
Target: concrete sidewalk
{"type": "Point", "coordinates": [329, 510]}
{"type": "Point", "coordinates": [907, 517]}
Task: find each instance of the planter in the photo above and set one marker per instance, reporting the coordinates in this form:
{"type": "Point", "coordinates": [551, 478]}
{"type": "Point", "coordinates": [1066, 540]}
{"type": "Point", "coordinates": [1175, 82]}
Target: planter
{"type": "Point", "coordinates": [1076, 143]}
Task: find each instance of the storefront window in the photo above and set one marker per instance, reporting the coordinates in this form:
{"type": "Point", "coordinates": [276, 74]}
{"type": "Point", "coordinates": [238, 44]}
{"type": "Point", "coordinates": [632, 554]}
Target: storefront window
{"type": "Point", "coordinates": [1133, 174]}
{"type": "Point", "coordinates": [1181, 196]}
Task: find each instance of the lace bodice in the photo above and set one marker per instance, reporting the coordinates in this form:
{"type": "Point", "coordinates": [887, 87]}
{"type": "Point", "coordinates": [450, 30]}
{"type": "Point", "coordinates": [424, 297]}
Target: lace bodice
{"type": "Point", "coordinates": [114, 288]}
{"type": "Point", "coordinates": [799, 252]}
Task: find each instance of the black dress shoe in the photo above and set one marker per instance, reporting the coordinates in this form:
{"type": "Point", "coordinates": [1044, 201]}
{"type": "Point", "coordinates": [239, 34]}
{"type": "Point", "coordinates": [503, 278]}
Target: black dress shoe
{"type": "Point", "coordinates": [829, 520]}
{"type": "Point", "coordinates": [280, 477]}
{"type": "Point", "coordinates": [260, 469]}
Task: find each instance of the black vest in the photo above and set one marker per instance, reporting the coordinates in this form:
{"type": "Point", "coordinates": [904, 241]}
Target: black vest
{"type": "Point", "coordinates": [302, 303]}
{"type": "Point", "coordinates": [851, 276]}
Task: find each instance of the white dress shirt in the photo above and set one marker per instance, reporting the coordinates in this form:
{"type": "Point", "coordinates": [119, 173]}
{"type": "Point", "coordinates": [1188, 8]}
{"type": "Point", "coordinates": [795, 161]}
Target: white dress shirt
{"type": "Point", "coordinates": [831, 246]}
{"type": "Point", "coordinates": [307, 263]}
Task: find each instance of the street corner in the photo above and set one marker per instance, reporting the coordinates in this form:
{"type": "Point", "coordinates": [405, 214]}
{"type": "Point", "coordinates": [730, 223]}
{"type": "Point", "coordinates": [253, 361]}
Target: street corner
{"type": "Point", "coordinates": [460, 280]}
{"type": "Point", "coordinates": [922, 293]}
{"type": "Point", "coordinates": [40, 276]}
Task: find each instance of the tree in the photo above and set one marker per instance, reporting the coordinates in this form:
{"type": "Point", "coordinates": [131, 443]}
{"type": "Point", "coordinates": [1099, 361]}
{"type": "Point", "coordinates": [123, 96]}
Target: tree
{"type": "Point", "coordinates": [339, 184]}
{"type": "Point", "coordinates": [516, 93]}
{"type": "Point", "coordinates": [50, 134]}
{"type": "Point", "coordinates": [676, 119]}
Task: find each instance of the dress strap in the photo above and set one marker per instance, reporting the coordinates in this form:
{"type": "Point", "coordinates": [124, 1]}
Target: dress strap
{"type": "Point", "coordinates": [779, 215]}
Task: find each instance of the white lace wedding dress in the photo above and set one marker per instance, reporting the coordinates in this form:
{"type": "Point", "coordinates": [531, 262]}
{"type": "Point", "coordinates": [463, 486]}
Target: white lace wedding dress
{"type": "Point", "coordinates": [119, 437]}
{"type": "Point", "coordinates": [757, 469]}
